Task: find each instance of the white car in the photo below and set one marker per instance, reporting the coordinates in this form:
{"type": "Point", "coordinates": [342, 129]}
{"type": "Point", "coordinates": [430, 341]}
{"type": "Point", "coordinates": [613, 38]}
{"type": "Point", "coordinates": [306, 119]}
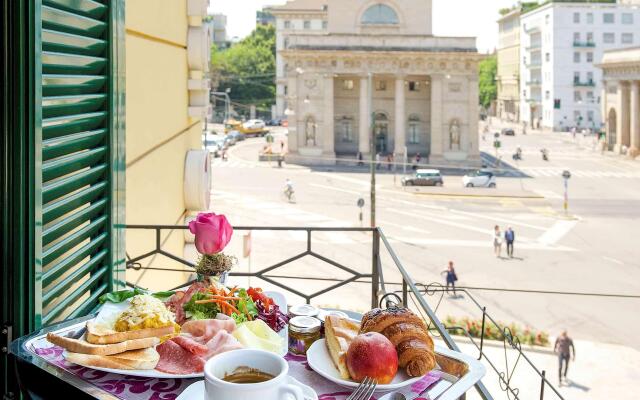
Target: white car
{"type": "Point", "coordinates": [254, 124]}
{"type": "Point", "coordinates": [480, 178]}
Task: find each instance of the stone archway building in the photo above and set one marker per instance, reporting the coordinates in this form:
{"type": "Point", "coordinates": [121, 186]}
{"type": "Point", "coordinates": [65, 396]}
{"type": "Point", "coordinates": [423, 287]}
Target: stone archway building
{"type": "Point", "coordinates": [333, 55]}
{"type": "Point", "coordinates": [621, 103]}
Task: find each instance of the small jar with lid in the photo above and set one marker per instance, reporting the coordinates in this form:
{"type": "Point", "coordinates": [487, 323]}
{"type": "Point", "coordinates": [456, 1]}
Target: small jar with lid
{"type": "Point", "coordinates": [303, 332]}
{"type": "Point", "coordinates": [303, 310]}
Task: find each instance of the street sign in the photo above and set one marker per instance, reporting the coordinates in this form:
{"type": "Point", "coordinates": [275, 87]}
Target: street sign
{"type": "Point", "coordinates": [497, 144]}
{"type": "Point", "coordinates": [360, 202]}
{"type": "Point", "coordinates": [496, 135]}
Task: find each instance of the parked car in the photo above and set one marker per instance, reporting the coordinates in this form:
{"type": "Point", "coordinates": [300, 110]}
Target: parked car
{"type": "Point", "coordinates": [215, 144]}
{"type": "Point", "coordinates": [424, 177]}
{"type": "Point", "coordinates": [237, 136]}
{"type": "Point", "coordinates": [480, 178]}
{"type": "Point", "coordinates": [508, 132]}
{"type": "Point", "coordinates": [230, 139]}
{"type": "Point", "coordinates": [254, 124]}
{"type": "Point", "coordinates": [274, 122]}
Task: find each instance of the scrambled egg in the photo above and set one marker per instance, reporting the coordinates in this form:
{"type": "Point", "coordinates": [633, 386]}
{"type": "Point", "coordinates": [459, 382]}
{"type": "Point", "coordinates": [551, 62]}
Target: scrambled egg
{"type": "Point", "coordinates": [145, 312]}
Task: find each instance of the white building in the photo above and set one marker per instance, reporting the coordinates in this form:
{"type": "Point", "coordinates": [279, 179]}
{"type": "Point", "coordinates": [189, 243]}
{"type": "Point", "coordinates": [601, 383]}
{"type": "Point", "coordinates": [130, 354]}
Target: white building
{"type": "Point", "coordinates": [559, 44]}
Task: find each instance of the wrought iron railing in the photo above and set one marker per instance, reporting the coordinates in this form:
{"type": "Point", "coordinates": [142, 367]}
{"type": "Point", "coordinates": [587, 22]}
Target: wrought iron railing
{"type": "Point", "coordinates": [408, 293]}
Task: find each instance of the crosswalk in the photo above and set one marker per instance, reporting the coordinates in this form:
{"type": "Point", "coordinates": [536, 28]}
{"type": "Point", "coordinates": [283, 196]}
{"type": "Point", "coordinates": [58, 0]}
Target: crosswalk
{"type": "Point", "coordinates": [557, 172]}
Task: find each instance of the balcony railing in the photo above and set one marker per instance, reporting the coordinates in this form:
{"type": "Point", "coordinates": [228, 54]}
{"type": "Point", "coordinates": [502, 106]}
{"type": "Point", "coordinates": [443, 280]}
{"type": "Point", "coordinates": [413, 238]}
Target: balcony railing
{"type": "Point", "coordinates": [534, 64]}
{"type": "Point", "coordinates": [385, 266]}
{"type": "Point", "coordinates": [534, 47]}
{"type": "Point", "coordinates": [589, 83]}
{"type": "Point", "coordinates": [534, 82]}
{"type": "Point", "coordinates": [583, 44]}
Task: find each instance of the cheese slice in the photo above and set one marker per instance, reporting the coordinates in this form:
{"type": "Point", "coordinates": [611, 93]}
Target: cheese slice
{"type": "Point", "coordinates": [257, 335]}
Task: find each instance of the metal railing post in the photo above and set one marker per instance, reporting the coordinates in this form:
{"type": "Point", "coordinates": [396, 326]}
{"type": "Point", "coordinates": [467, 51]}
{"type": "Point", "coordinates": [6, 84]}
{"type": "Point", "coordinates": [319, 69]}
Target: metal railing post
{"type": "Point", "coordinates": [542, 385]}
{"type": "Point", "coordinates": [375, 268]}
{"type": "Point", "coordinates": [484, 317]}
{"type": "Point", "coordinates": [405, 294]}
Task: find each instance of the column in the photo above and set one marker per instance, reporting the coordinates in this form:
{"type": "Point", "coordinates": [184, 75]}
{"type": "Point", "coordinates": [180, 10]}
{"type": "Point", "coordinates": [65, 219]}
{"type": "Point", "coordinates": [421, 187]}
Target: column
{"type": "Point", "coordinates": [400, 118]}
{"type": "Point", "coordinates": [292, 94]}
{"type": "Point", "coordinates": [365, 115]}
{"type": "Point", "coordinates": [469, 143]}
{"type": "Point", "coordinates": [622, 130]}
{"type": "Point", "coordinates": [437, 138]}
{"type": "Point", "coordinates": [635, 118]}
{"type": "Point", "coordinates": [328, 134]}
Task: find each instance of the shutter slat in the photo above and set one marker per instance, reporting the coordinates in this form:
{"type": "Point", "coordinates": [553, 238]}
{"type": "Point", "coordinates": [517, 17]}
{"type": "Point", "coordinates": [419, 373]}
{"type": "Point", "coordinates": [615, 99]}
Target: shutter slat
{"type": "Point", "coordinates": [56, 271]}
{"type": "Point", "coordinates": [61, 207]}
{"type": "Point", "coordinates": [88, 8]}
{"type": "Point", "coordinates": [68, 184]}
{"type": "Point", "coordinates": [63, 145]}
{"type": "Point", "coordinates": [66, 165]}
{"type": "Point", "coordinates": [91, 304]}
{"type": "Point", "coordinates": [59, 106]}
{"type": "Point", "coordinates": [56, 127]}
{"type": "Point", "coordinates": [69, 242]}
{"type": "Point", "coordinates": [76, 295]}
{"type": "Point", "coordinates": [69, 280]}
{"type": "Point", "coordinates": [61, 63]}
{"type": "Point", "coordinates": [68, 224]}
{"type": "Point", "coordinates": [59, 85]}
{"type": "Point", "coordinates": [64, 21]}
{"type": "Point", "coordinates": [69, 43]}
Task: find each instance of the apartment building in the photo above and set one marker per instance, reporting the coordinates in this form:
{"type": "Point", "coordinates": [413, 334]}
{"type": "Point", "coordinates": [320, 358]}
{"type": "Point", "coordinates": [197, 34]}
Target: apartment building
{"type": "Point", "coordinates": [508, 77]}
{"type": "Point", "coordinates": [559, 44]}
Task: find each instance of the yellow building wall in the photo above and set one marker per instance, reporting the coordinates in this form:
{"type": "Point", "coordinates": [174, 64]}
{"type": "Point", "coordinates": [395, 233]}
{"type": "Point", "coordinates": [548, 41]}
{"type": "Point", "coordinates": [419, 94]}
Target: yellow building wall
{"type": "Point", "coordinates": [159, 132]}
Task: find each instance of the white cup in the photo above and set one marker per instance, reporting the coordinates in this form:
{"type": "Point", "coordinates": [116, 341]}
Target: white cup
{"type": "Point", "coordinates": [226, 363]}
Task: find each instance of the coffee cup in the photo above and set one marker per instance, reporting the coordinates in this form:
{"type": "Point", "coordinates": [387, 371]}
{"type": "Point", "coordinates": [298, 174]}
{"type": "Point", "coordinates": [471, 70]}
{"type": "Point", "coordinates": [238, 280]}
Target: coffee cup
{"type": "Point", "coordinates": [226, 364]}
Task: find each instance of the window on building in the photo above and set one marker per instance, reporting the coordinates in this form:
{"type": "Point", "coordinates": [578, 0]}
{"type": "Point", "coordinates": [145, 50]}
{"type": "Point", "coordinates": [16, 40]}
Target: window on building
{"type": "Point", "coordinates": [589, 18]}
{"type": "Point", "coordinates": [608, 18]}
{"type": "Point", "coordinates": [286, 43]}
{"type": "Point", "coordinates": [590, 96]}
{"type": "Point", "coordinates": [577, 116]}
{"type": "Point", "coordinates": [286, 90]}
{"type": "Point", "coordinates": [381, 85]}
{"type": "Point", "coordinates": [590, 77]}
{"type": "Point", "coordinates": [347, 84]}
{"type": "Point", "coordinates": [627, 38]}
{"type": "Point", "coordinates": [576, 18]}
{"type": "Point", "coordinates": [576, 57]}
{"type": "Point", "coordinates": [590, 37]}
{"type": "Point", "coordinates": [325, 25]}
{"type": "Point", "coordinates": [547, 57]}
{"type": "Point", "coordinates": [547, 95]}
{"type": "Point", "coordinates": [307, 24]}
{"type": "Point", "coordinates": [414, 129]}
{"type": "Point", "coordinates": [577, 96]}
{"type": "Point", "coordinates": [346, 127]}
{"type": "Point", "coordinates": [546, 19]}
{"type": "Point", "coordinates": [590, 115]}
{"type": "Point", "coordinates": [576, 77]}
{"type": "Point", "coordinates": [380, 14]}
{"type": "Point", "coordinates": [287, 24]}
{"type": "Point", "coordinates": [414, 86]}
{"type": "Point", "coordinates": [590, 56]}
{"type": "Point", "coordinates": [609, 37]}
{"type": "Point", "coordinates": [557, 103]}
{"type": "Point", "coordinates": [627, 18]}
{"type": "Point", "coordinates": [576, 37]}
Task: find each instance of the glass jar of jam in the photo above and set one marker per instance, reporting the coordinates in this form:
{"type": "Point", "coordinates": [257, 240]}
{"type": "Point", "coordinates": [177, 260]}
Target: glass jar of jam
{"type": "Point", "coordinates": [303, 332]}
{"type": "Point", "coordinates": [303, 310]}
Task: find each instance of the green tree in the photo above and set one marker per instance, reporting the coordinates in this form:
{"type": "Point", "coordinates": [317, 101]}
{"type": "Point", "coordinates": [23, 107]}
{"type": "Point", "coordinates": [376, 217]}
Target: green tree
{"type": "Point", "coordinates": [248, 68]}
{"type": "Point", "coordinates": [487, 80]}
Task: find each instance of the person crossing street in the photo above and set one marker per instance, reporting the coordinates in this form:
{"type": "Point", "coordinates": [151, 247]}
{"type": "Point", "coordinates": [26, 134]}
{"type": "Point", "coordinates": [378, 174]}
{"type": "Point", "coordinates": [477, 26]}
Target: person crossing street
{"type": "Point", "coordinates": [565, 351]}
{"type": "Point", "coordinates": [509, 238]}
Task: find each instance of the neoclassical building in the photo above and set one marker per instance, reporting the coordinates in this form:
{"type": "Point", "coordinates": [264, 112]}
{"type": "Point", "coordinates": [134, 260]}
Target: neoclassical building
{"type": "Point", "coordinates": [333, 56]}
{"type": "Point", "coordinates": [621, 94]}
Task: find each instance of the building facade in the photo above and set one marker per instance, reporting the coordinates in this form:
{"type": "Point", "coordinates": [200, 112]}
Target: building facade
{"type": "Point", "coordinates": [334, 56]}
{"type": "Point", "coordinates": [218, 26]}
{"type": "Point", "coordinates": [560, 42]}
{"type": "Point", "coordinates": [621, 105]}
{"type": "Point", "coordinates": [508, 76]}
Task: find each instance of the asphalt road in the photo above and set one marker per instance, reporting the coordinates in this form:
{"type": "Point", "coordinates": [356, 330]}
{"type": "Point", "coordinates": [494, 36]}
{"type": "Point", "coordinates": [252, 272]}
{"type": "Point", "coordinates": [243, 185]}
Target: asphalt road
{"type": "Point", "coordinates": [594, 249]}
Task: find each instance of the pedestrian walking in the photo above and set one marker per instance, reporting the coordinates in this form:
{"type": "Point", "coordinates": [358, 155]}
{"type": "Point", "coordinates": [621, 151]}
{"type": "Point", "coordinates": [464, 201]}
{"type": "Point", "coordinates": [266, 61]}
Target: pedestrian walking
{"type": "Point", "coordinates": [389, 161]}
{"type": "Point", "coordinates": [360, 163]}
{"type": "Point", "coordinates": [451, 277]}
{"type": "Point", "coordinates": [417, 161]}
{"type": "Point", "coordinates": [377, 160]}
{"type": "Point", "coordinates": [509, 237]}
{"type": "Point", "coordinates": [497, 241]}
{"type": "Point", "coordinates": [564, 349]}
{"type": "Point", "coordinates": [281, 146]}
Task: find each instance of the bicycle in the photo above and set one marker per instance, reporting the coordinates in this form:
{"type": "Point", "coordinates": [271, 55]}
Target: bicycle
{"type": "Point", "coordinates": [289, 195]}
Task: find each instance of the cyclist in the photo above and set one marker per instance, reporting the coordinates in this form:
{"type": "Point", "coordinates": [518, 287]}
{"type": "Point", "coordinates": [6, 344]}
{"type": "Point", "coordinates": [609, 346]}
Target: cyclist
{"type": "Point", "coordinates": [288, 188]}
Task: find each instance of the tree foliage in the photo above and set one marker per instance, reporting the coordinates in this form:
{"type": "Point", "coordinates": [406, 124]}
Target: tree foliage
{"type": "Point", "coordinates": [488, 70]}
{"type": "Point", "coordinates": [248, 68]}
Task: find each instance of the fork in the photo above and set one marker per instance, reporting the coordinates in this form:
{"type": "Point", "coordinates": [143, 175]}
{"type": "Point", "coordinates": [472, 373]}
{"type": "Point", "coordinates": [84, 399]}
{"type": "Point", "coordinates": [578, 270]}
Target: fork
{"type": "Point", "coordinates": [365, 390]}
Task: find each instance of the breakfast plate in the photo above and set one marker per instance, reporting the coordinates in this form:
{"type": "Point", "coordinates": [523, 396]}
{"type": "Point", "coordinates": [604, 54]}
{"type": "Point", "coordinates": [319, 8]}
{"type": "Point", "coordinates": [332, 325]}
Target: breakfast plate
{"type": "Point", "coordinates": [196, 391]}
{"type": "Point", "coordinates": [320, 361]}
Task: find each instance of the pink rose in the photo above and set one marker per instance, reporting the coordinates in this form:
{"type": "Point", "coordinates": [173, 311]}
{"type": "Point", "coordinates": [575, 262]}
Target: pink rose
{"type": "Point", "coordinates": [213, 233]}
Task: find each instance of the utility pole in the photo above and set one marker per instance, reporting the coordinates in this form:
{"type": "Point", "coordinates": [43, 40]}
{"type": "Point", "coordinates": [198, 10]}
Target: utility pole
{"type": "Point", "coordinates": [373, 153]}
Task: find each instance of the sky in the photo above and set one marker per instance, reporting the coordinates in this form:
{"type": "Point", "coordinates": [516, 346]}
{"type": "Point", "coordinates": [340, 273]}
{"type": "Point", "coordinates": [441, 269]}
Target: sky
{"type": "Point", "coordinates": [450, 17]}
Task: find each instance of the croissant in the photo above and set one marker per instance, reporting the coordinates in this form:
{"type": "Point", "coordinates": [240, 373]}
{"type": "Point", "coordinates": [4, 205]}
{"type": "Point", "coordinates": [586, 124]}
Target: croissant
{"type": "Point", "coordinates": [408, 333]}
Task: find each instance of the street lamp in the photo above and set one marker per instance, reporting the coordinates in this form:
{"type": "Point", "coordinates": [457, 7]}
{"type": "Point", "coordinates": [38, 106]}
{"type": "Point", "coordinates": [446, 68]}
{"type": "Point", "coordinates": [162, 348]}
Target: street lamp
{"type": "Point", "coordinates": [566, 175]}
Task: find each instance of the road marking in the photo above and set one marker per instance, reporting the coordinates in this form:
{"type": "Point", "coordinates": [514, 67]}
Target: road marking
{"type": "Point", "coordinates": [360, 182]}
{"type": "Point", "coordinates": [384, 223]}
{"type": "Point", "coordinates": [440, 221]}
{"type": "Point", "coordinates": [336, 189]}
{"type": "Point", "coordinates": [548, 194]}
{"type": "Point", "coordinates": [478, 243]}
{"type": "Point", "coordinates": [557, 232]}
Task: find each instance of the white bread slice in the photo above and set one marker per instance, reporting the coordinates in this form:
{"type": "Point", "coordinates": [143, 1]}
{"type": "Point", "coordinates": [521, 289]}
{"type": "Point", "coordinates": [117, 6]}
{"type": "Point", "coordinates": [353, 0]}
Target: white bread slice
{"type": "Point", "coordinates": [339, 333]}
{"type": "Point", "coordinates": [84, 347]}
{"type": "Point", "coordinates": [99, 334]}
{"type": "Point", "coordinates": [134, 359]}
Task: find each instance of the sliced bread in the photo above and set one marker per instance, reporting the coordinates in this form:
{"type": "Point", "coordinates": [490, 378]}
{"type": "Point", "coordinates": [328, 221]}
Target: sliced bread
{"type": "Point", "coordinates": [84, 347]}
{"type": "Point", "coordinates": [99, 334]}
{"type": "Point", "coordinates": [339, 333]}
{"type": "Point", "coordinates": [135, 359]}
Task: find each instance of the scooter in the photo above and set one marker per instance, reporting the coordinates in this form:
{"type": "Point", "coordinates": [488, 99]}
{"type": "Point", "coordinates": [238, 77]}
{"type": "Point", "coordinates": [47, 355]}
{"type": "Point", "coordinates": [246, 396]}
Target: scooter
{"type": "Point", "coordinates": [517, 156]}
{"type": "Point", "coordinates": [545, 154]}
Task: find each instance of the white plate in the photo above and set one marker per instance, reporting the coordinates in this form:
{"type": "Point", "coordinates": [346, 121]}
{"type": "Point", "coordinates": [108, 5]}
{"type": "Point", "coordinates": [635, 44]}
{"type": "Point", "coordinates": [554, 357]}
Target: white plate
{"type": "Point", "coordinates": [110, 311]}
{"type": "Point", "coordinates": [195, 391]}
{"type": "Point", "coordinates": [320, 361]}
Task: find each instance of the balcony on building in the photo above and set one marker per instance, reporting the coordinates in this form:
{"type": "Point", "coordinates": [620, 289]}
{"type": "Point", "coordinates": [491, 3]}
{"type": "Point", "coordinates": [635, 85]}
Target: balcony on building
{"type": "Point", "coordinates": [587, 44]}
{"type": "Point", "coordinates": [534, 82]}
{"type": "Point", "coordinates": [579, 83]}
{"type": "Point", "coordinates": [532, 29]}
{"type": "Point", "coordinates": [535, 64]}
{"type": "Point", "coordinates": [536, 46]}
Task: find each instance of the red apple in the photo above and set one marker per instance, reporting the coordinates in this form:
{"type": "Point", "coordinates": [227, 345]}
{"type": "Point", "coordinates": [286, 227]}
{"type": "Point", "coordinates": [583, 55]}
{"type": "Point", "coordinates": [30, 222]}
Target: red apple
{"type": "Point", "coordinates": [373, 355]}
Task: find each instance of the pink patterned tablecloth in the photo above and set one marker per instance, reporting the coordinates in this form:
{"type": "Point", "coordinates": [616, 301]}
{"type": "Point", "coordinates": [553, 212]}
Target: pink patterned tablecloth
{"type": "Point", "coordinates": [138, 388]}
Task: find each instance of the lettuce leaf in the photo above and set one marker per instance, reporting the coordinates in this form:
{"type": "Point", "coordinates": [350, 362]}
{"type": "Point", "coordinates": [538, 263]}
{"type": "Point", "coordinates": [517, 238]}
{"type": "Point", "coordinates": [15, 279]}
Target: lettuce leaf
{"type": "Point", "coordinates": [246, 304]}
{"type": "Point", "coordinates": [200, 311]}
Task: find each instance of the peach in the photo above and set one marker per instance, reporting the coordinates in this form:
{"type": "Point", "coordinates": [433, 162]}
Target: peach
{"type": "Point", "coordinates": [373, 355]}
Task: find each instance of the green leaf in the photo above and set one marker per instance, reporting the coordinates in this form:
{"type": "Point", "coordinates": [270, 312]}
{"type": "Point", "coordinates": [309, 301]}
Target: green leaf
{"type": "Point", "coordinates": [246, 305]}
{"type": "Point", "coordinates": [120, 295]}
{"type": "Point", "coordinates": [164, 295]}
{"type": "Point", "coordinates": [200, 311]}
{"type": "Point", "coordinates": [239, 318]}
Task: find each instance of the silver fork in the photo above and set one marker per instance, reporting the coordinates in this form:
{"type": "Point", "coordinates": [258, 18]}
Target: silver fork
{"type": "Point", "coordinates": [365, 390]}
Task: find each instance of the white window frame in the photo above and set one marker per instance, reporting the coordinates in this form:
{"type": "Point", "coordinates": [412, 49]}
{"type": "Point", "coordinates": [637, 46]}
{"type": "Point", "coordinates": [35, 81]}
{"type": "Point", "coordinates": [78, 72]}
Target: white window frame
{"type": "Point", "coordinates": [626, 38]}
{"type": "Point", "coordinates": [609, 35]}
{"type": "Point", "coordinates": [608, 18]}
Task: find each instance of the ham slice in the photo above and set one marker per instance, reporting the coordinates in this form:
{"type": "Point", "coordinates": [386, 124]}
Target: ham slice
{"type": "Point", "coordinates": [205, 329]}
{"type": "Point", "coordinates": [221, 343]}
{"type": "Point", "coordinates": [187, 343]}
{"type": "Point", "coordinates": [174, 359]}
{"type": "Point", "coordinates": [175, 302]}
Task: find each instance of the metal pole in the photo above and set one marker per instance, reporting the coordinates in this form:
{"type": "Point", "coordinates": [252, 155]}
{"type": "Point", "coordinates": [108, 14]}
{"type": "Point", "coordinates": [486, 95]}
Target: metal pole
{"type": "Point", "coordinates": [542, 385]}
{"type": "Point", "coordinates": [566, 196]}
{"type": "Point", "coordinates": [373, 154]}
{"type": "Point", "coordinates": [375, 268]}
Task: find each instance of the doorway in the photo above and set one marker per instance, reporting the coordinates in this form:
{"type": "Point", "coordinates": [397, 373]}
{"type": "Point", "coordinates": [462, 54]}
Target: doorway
{"type": "Point", "coordinates": [381, 132]}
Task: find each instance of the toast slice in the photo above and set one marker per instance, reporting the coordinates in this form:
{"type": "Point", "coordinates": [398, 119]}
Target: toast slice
{"type": "Point", "coordinates": [99, 334]}
{"type": "Point", "coordinates": [339, 333]}
{"type": "Point", "coordinates": [84, 347]}
{"type": "Point", "coordinates": [134, 359]}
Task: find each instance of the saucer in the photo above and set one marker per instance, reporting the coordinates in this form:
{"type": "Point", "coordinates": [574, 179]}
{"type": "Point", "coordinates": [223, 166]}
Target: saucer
{"type": "Point", "coordinates": [195, 391]}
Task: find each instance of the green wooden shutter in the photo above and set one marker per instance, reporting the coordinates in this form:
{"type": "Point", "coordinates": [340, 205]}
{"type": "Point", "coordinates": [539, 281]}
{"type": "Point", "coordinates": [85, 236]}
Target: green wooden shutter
{"type": "Point", "coordinates": [79, 165]}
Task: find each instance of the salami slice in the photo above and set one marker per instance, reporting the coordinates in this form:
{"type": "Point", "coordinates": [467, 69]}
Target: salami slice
{"type": "Point", "coordinates": [174, 359]}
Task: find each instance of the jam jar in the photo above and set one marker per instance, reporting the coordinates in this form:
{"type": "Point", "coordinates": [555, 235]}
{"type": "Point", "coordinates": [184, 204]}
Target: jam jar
{"type": "Point", "coordinates": [303, 332]}
{"type": "Point", "coordinates": [303, 310]}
